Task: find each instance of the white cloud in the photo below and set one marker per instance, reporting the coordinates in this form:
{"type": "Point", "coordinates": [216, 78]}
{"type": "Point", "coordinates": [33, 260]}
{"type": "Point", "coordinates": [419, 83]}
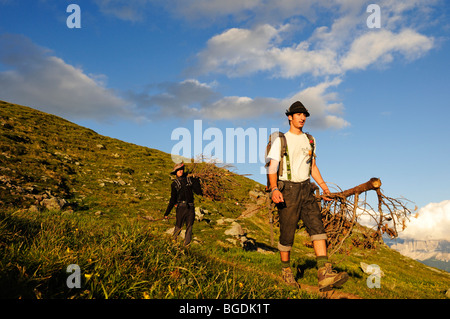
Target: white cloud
{"type": "Point", "coordinates": [131, 10]}
{"type": "Point", "coordinates": [339, 43]}
{"type": "Point", "coordinates": [294, 61]}
{"type": "Point", "coordinates": [432, 222]}
{"type": "Point", "coordinates": [241, 52]}
{"type": "Point", "coordinates": [35, 78]}
{"type": "Point", "coordinates": [231, 107]}
{"type": "Point", "coordinates": [343, 43]}
{"type": "Point", "coordinates": [321, 105]}
{"type": "Point", "coordinates": [211, 9]}
{"type": "Point", "coordinates": [380, 46]}
{"type": "Point", "coordinates": [183, 99]}
{"type": "Point", "coordinates": [219, 11]}
{"type": "Point", "coordinates": [265, 42]}
{"type": "Point", "coordinates": [254, 12]}
{"type": "Point", "coordinates": [329, 51]}
{"type": "Point", "coordinates": [238, 52]}
{"type": "Point", "coordinates": [191, 98]}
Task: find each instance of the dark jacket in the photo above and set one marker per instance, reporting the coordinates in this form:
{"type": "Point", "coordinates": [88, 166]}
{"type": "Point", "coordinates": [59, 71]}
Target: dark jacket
{"type": "Point", "coordinates": [182, 191]}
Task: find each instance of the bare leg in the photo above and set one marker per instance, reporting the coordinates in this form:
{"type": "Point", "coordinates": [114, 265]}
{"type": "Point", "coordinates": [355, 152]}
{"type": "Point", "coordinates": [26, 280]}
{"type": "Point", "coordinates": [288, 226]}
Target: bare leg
{"type": "Point", "coordinates": [320, 247]}
{"type": "Point", "coordinates": [285, 255]}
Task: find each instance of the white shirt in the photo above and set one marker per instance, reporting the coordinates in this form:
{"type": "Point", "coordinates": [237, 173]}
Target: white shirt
{"type": "Point", "coordinates": [299, 150]}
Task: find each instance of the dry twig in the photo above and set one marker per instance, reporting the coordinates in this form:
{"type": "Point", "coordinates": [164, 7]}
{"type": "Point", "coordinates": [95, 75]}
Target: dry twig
{"type": "Point", "coordinates": [215, 180]}
{"type": "Point", "coordinates": [342, 213]}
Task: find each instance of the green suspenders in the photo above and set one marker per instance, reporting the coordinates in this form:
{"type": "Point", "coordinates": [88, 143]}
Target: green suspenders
{"type": "Point", "coordinates": [288, 164]}
{"type": "Point", "coordinates": [309, 161]}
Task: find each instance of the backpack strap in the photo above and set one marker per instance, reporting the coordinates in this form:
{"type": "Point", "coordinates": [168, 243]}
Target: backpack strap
{"type": "Point", "coordinates": [177, 184]}
{"type": "Point", "coordinates": [288, 161]}
{"type": "Point", "coordinates": [283, 153]}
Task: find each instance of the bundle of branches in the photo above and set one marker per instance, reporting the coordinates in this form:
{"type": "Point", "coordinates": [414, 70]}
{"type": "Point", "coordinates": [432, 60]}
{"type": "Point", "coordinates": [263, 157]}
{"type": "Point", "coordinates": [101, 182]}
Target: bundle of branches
{"type": "Point", "coordinates": [215, 180]}
{"type": "Point", "coordinates": [342, 213]}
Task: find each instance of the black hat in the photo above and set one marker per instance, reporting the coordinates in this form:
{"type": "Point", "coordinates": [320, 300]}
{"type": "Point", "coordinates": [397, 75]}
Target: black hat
{"type": "Point", "coordinates": [297, 107]}
{"type": "Point", "coordinates": [177, 167]}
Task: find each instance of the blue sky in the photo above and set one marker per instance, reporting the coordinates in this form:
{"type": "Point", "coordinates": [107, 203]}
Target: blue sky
{"type": "Point", "coordinates": [137, 70]}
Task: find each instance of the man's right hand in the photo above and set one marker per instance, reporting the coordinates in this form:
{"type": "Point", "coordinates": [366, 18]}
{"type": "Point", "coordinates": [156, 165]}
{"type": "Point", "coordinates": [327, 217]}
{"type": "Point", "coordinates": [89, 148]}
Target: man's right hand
{"type": "Point", "coordinates": [277, 197]}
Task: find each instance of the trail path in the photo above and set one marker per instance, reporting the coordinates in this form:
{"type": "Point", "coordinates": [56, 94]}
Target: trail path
{"type": "Point", "coordinates": [251, 210]}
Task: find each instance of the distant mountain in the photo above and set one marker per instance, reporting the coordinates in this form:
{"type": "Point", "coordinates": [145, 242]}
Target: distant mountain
{"type": "Point", "coordinates": [434, 253]}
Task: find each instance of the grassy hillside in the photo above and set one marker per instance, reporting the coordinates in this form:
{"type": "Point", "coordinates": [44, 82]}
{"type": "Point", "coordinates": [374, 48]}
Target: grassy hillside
{"type": "Point", "coordinates": [71, 196]}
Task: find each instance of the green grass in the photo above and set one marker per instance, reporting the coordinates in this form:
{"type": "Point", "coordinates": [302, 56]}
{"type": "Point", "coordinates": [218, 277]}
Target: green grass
{"type": "Point", "coordinates": [125, 259]}
{"type": "Point", "coordinates": [132, 259]}
{"type": "Point", "coordinates": [404, 277]}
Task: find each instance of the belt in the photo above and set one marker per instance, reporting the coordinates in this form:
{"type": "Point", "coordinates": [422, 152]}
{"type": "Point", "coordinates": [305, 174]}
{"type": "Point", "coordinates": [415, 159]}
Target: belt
{"type": "Point", "coordinates": [298, 183]}
{"type": "Point", "coordinates": [184, 203]}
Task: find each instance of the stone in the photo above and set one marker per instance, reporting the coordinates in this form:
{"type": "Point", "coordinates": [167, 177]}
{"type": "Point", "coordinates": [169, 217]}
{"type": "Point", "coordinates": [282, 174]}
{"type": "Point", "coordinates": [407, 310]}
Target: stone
{"type": "Point", "coordinates": [33, 209]}
{"type": "Point", "coordinates": [254, 194]}
{"type": "Point", "coordinates": [369, 270]}
{"type": "Point", "coordinates": [53, 203]}
{"type": "Point", "coordinates": [182, 233]}
{"type": "Point", "coordinates": [199, 214]}
{"type": "Point", "coordinates": [234, 230]}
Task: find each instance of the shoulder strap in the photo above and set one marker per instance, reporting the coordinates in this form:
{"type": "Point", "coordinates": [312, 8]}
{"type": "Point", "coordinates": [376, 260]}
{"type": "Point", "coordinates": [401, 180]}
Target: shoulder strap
{"type": "Point", "coordinates": [288, 162]}
{"type": "Point", "coordinates": [312, 143]}
{"type": "Point", "coordinates": [312, 155]}
{"type": "Point", "coordinates": [177, 184]}
{"type": "Point", "coordinates": [272, 138]}
{"type": "Point", "coordinates": [284, 152]}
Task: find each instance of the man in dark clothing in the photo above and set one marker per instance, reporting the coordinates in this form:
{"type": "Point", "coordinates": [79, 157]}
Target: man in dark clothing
{"type": "Point", "coordinates": [182, 195]}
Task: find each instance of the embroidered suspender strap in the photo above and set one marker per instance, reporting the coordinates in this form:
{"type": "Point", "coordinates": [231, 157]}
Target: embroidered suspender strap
{"type": "Point", "coordinates": [286, 155]}
{"type": "Point", "coordinates": [288, 164]}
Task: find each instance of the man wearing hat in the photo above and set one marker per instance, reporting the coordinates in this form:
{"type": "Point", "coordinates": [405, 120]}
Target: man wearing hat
{"type": "Point", "coordinates": [182, 195]}
{"type": "Point", "coordinates": [293, 194]}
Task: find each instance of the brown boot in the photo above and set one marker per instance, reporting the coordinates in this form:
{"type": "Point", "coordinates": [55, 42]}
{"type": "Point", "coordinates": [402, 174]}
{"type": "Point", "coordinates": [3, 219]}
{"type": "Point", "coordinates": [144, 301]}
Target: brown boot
{"type": "Point", "coordinates": [288, 277]}
{"type": "Point", "coordinates": [328, 278]}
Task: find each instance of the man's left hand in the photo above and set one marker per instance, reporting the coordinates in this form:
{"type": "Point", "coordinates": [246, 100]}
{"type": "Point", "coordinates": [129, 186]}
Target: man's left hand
{"type": "Point", "coordinates": [325, 197]}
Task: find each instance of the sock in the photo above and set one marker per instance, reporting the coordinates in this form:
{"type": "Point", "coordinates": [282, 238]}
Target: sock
{"type": "Point", "coordinates": [285, 264]}
{"type": "Point", "coordinates": [321, 261]}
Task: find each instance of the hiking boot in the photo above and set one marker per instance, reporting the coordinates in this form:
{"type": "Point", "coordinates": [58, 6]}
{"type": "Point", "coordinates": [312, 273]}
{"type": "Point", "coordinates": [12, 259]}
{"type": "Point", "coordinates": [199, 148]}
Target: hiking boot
{"type": "Point", "coordinates": [288, 277]}
{"type": "Point", "coordinates": [328, 278]}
